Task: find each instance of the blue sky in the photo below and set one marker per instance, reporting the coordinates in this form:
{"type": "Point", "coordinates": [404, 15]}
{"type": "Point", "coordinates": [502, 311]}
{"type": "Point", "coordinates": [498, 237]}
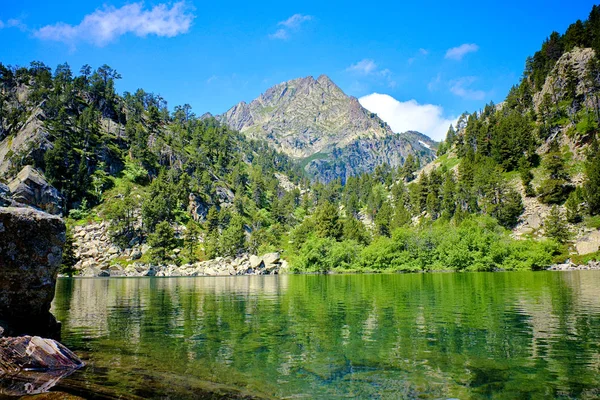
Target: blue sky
{"type": "Point", "coordinates": [431, 60]}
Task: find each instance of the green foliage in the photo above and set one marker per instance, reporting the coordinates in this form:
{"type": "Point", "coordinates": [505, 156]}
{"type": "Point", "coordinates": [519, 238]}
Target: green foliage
{"type": "Point", "coordinates": [476, 244]}
{"type": "Point", "coordinates": [554, 189]}
{"type": "Point", "coordinates": [135, 172]}
{"type": "Point", "coordinates": [68, 257]}
{"type": "Point", "coordinates": [322, 254]}
{"type": "Point", "coordinates": [191, 238]}
{"type": "Point", "coordinates": [555, 226]}
{"type": "Point", "coordinates": [575, 206]}
{"type": "Point", "coordinates": [233, 239]}
{"type": "Point", "coordinates": [162, 241]}
{"type": "Point", "coordinates": [355, 230]}
{"type": "Point", "coordinates": [327, 222]}
{"type": "Point", "coordinates": [592, 178]}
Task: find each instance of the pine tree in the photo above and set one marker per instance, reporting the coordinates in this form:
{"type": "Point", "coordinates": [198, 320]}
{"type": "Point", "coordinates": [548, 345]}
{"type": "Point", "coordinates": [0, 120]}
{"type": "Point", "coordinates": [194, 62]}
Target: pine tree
{"type": "Point", "coordinates": [592, 178]}
{"type": "Point", "coordinates": [327, 223]}
{"type": "Point", "coordinates": [575, 206]}
{"type": "Point", "coordinates": [162, 240]}
{"type": "Point", "coordinates": [555, 189]}
{"type": "Point", "coordinates": [383, 219]}
{"type": "Point", "coordinates": [190, 238]}
{"type": "Point", "coordinates": [556, 226]}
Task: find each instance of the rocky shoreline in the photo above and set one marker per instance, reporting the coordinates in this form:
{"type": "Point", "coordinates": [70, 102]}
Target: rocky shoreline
{"type": "Point", "coordinates": [268, 264]}
{"type": "Point", "coordinates": [570, 266]}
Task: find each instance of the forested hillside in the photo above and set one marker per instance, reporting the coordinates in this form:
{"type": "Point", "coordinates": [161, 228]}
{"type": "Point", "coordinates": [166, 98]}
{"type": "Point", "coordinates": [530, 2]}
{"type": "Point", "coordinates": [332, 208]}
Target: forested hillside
{"type": "Point", "coordinates": [515, 185]}
{"type": "Point", "coordinates": [128, 160]}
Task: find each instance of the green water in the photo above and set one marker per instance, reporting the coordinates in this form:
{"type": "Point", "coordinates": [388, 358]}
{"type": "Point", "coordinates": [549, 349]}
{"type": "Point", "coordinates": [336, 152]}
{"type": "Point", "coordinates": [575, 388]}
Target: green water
{"type": "Point", "coordinates": [527, 335]}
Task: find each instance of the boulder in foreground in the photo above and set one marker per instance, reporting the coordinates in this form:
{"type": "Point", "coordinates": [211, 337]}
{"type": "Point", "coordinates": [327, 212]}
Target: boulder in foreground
{"type": "Point", "coordinates": [30, 255]}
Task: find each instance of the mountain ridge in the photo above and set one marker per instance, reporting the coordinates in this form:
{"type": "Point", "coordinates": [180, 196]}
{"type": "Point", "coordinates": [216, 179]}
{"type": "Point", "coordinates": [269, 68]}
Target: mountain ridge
{"type": "Point", "coordinates": [309, 118]}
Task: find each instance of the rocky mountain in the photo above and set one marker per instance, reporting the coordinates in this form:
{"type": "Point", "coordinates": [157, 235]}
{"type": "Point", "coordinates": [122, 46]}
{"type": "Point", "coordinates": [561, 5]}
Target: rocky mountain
{"type": "Point", "coordinates": [314, 121]}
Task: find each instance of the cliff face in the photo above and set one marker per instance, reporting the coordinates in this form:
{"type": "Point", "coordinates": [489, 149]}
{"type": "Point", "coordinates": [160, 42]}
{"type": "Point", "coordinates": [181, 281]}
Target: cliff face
{"type": "Point", "coordinates": [30, 254]}
{"type": "Point", "coordinates": [315, 121]}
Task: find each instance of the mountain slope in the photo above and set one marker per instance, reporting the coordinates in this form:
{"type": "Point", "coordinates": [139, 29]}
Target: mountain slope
{"type": "Point", "coordinates": [315, 121]}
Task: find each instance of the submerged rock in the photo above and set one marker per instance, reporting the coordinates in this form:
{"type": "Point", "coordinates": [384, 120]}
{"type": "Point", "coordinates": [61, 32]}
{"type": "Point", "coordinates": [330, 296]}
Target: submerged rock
{"type": "Point", "coordinates": [32, 365]}
{"type": "Point", "coordinates": [33, 353]}
{"type": "Point", "coordinates": [30, 254]}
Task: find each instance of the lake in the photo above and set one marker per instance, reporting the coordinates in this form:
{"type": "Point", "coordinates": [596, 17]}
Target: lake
{"type": "Point", "coordinates": [441, 335]}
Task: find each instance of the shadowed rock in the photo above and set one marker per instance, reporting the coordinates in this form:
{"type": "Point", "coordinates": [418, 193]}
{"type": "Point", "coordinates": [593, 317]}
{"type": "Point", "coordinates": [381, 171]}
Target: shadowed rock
{"type": "Point", "coordinates": [30, 254]}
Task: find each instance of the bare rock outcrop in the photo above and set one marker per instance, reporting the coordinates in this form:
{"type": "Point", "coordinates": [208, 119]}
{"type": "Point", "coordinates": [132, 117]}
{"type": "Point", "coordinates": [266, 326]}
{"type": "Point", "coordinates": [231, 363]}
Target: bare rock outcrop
{"type": "Point", "coordinates": [30, 255]}
{"type": "Point", "coordinates": [31, 188]}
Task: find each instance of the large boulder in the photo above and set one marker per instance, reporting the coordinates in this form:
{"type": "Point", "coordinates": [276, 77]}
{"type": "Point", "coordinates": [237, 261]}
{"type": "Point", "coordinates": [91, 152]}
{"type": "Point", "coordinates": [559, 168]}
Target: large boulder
{"type": "Point", "coordinates": [590, 243]}
{"type": "Point", "coordinates": [30, 188]}
{"type": "Point", "coordinates": [31, 244]}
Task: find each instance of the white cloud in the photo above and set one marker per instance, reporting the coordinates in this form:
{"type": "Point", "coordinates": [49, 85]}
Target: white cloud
{"type": "Point", "coordinates": [457, 53]}
{"type": "Point", "coordinates": [423, 52]}
{"type": "Point", "coordinates": [293, 23]}
{"type": "Point", "coordinates": [13, 23]}
{"type": "Point", "coordinates": [409, 115]}
{"type": "Point", "coordinates": [460, 87]}
{"type": "Point", "coordinates": [280, 34]}
{"type": "Point", "coordinates": [106, 25]}
{"type": "Point", "coordinates": [365, 67]}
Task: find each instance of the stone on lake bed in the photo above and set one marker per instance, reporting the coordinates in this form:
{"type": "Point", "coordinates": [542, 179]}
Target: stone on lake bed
{"type": "Point", "coordinates": [33, 365]}
{"type": "Point", "coordinates": [33, 353]}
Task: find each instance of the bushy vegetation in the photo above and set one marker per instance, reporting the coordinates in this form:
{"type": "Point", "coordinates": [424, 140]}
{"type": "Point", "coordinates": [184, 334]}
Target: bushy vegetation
{"type": "Point", "coordinates": [474, 244]}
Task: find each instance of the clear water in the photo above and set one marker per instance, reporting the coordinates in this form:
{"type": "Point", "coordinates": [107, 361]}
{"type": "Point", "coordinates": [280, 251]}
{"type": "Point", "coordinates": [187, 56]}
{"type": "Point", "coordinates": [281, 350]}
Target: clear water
{"type": "Point", "coordinates": [527, 335]}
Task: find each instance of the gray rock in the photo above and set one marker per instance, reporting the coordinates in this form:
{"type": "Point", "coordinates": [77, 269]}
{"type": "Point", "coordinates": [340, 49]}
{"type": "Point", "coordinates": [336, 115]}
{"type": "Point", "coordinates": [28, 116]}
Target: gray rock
{"type": "Point", "coordinates": [30, 188]}
{"type": "Point", "coordinates": [31, 252]}
{"type": "Point", "coordinates": [271, 258]}
{"type": "Point", "coordinates": [255, 262]}
{"type": "Point", "coordinates": [5, 197]}
{"type": "Point", "coordinates": [136, 254]}
{"type": "Point", "coordinates": [590, 243]}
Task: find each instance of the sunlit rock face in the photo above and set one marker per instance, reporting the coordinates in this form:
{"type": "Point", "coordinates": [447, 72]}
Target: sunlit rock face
{"type": "Point", "coordinates": [30, 254]}
{"type": "Point", "coordinates": [334, 136]}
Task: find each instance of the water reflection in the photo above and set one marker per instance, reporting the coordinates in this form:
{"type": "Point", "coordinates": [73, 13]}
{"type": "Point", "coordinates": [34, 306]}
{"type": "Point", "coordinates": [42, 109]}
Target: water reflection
{"type": "Point", "coordinates": [500, 335]}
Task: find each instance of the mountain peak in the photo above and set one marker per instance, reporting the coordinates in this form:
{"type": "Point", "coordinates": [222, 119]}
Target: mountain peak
{"type": "Point", "coordinates": [313, 119]}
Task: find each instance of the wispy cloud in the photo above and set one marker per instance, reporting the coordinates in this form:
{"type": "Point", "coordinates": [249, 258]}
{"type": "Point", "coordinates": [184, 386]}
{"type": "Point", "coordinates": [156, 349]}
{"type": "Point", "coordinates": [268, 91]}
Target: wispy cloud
{"type": "Point", "coordinates": [460, 87]}
{"type": "Point", "coordinates": [293, 23]}
{"type": "Point", "coordinates": [434, 83]}
{"type": "Point", "coordinates": [106, 25]}
{"type": "Point", "coordinates": [422, 53]}
{"type": "Point", "coordinates": [13, 23]}
{"type": "Point", "coordinates": [457, 53]}
{"type": "Point", "coordinates": [404, 116]}
{"type": "Point", "coordinates": [280, 34]}
{"type": "Point", "coordinates": [368, 67]}
{"type": "Point", "coordinates": [365, 67]}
